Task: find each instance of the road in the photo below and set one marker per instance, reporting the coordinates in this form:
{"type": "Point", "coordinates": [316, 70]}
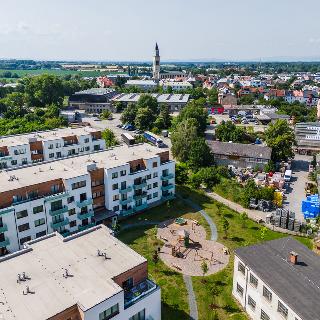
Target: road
{"type": "Point", "coordinates": [296, 192]}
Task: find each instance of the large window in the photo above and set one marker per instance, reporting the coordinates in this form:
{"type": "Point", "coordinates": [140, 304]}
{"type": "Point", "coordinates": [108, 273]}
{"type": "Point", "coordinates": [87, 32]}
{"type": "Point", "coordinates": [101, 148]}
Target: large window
{"type": "Point", "coordinates": [251, 303]}
{"type": "Point", "coordinates": [253, 280]}
{"type": "Point", "coordinates": [239, 289]}
{"type": "Point", "coordinates": [264, 316]}
{"type": "Point", "coordinates": [37, 209]}
{"type": "Point", "coordinates": [267, 294]}
{"type": "Point", "coordinates": [78, 185]}
{"type": "Point", "coordinates": [39, 222]}
{"type": "Point", "coordinates": [23, 227]}
{"type": "Point", "coordinates": [282, 309]}
{"type": "Point", "coordinates": [241, 268]}
{"type": "Point", "coordinates": [141, 315]}
{"type": "Point", "coordinates": [109, 313]}
{"type": "Point", "coordinates": [22, 214]}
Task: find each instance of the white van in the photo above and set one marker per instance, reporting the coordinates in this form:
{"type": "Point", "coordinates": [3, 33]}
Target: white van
{"type": "Point", "coordinates": [287, 175]}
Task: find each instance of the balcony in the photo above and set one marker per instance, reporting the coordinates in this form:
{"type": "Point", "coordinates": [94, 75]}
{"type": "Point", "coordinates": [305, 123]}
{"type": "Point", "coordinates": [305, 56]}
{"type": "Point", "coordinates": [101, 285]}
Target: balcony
{"type": "Point", "coordinates": [167, 177]}
{"type": "Point", "coordinates": [125, 213]}
{"type": "Point", "coordinates": [126, 190]}
{"type": "Point", "coordinates": [5, 243]}
{"type": "Point", "coordinates": [6, 210]}
{"type": "Point", "coordinates": [56, 225]}
{"type": "Point", "coordinates": [84, 203]}
{"type": "Point", "coordinates": [138, 292]}
{"type": "Point", "coordinates": [167, 187]}
{"type": "Point", "coordinates": [65, 233]}
{"type": "Point", "coordinates": [126, 201]}
{"type": "Point", "coordinates": [139, 186]}
{"type": "Point", "coordinates": [167, 197]}
{"type": "Point", "coordinates": [87, 226]}
{"type": "Point", "coordinates": [141, 207]}
{"type": "Point", "coordinates": [55, 212]}
{"type": "Point", "coordinates": [82, 216]}
{"type": "Point", "coordinates": [5, 158]}
{"type": "Point", "coordinates": [140, 196]}
{"type": "Point", "coordinates": [3, 228]}
{"type": "Point", "coordinates": [56, 196]}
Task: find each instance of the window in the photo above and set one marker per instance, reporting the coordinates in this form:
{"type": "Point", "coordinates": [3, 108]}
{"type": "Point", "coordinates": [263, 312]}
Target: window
{"type": "Point", "coordinates": [115, 186]}
{"type": "Point", "coordinates": [71, 212]}
{"type": "Point", "coordinates": [78, 185]}
{"type": "Point", "coordinates": [58, 154]}
{"type": "Point", "coordinates": [155, 195]}
{"type": "Point", "coordinates": [50, 146]}
{"type": "Point", "coordinates": [22, 214]}
{"type": "Point", "coordinates": [73, 223]}
{"type": "Point", "coordinates": [116, 197]}
{"type": "Point", "coordinates": [114, 175]}
{"type": "Point", "coordinates": [86, 140]}
{"type": "Point", "coordinates": [154, 164]}
{"type": "Point", "coordinates": [23, 227]}
{"type": "Point", "coordinates": [267, 294]}
{"type": "Point", "coordinates": [41, 234]}
{"type": "Point", "coordinates": [39, 222]}
{"type": "Point", "coordinates": [239, 289]}
{"type": "Point", "coordinates": [24, 161]}
{"type": "Point", "coordinates": [51, 155]}
{"type": "Point", "coordinates": [141, 315]}
{"type": "Point", "coordinates": [123, 173]}
{"type": "Point", "coordinates": [251, 303]}
{"type": "Point", "coordinates": [253, 280]}
{"type": "Point", "coordinates": [109, 313]}
{"type": "Point", "coordinates": [241, 268]}
{"type": "Point", "coordinates": [87, 148]}
{"type": "Point", "coordinates": [95, 183]}
{"type": "Point", "coordinates": [282, 309]}
{"type": "Point", "coordinates": [155, 184]}
{"type": "Point", "coordinates": [83, 197]}
{"type": "Point", "coordinates": [148, 176]}
{"type": "Point", "coordinates": [25, 239]}
{"type": "Point", "coordinates": [55, 188]}
{"type": "Point", "coordinates": [14, 162]}
{"type": "Point", "coordinates": [149, 187]}
{"type": "Point", "coordinates": [116, 208]}
{"type": "Point", "coordinates": [155, 174]}
{"type": "Point", "coordinates": [149, 196]}
{"type": "Point", "coordinates": [56, 205]}
{"type": "Point", "coordinates": [123, 185]}
{"type": "Point", "coordinates": [264, 316]}
{"type": "Point", "coordinates": [37, 209]}
{"type": "Point", "coordinates": [96, 147]}
{"type": "Point", "coordinates": [70, 199]}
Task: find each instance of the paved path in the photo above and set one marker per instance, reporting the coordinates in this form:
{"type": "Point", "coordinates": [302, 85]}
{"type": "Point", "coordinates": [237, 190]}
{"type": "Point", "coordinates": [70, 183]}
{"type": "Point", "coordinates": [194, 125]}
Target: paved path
{"type": "Point", "coordinates": [193, 309]}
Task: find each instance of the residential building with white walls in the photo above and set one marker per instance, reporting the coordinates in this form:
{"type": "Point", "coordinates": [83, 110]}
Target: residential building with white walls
{"type": "Point", "coordinates": [87, 276]}
{"type": "Point", "coordinates": [26, 149]}
{"type": "Point", "coordinates": [278, 279]}
{"type": "Point", "coordinates": [76, 193]}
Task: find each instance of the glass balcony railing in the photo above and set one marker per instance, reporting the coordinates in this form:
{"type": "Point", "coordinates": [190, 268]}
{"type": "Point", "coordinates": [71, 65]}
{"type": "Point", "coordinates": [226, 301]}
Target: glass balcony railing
{"type": "Point", "coordinates": [140, 196]}
{"type": "Point", "coordinates": [139, 186]}
{"type": "Point", "coordinates": [126, 190]}
{"type": "Point", "coordinates": [54, 212]}
{"type": "Point", "coordinates": [167, 177]}
{"type": "Point", "coordinates": [167, 187]}
{"type": "Point", "coordinates": [138, 292]}
{"type": "Point", "coordinates": [125, 201]}
{"type": "Point", "coordinates": [56, 225]}
{"type": "Point", "coordinates": [6, 210]}
{"type": "Point", "coordinates": [3, 228]}
{"type": "Point", "coordinates": [65, 233]}
{"type": "Point", "coordinates": [4, 243]}
{"type": "Point", "coordinates": [56, 196]}
{"type": "Point", "coordinates": [87, 226]}
{"type": "Point", "coordinates": [82, 216]}
{"type": "Point", "coordinates": [5, 158]}
{"type": "Point", "coordinates": [84, 203]}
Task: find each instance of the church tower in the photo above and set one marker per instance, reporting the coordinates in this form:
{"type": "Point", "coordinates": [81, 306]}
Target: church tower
{"type": "Point", "coordinates": [156, 64]}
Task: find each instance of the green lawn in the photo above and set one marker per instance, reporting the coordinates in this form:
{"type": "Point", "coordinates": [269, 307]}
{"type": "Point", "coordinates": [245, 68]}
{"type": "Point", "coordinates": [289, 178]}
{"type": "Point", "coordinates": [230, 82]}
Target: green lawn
{"type": "Point", "coordinates": [174, 297]}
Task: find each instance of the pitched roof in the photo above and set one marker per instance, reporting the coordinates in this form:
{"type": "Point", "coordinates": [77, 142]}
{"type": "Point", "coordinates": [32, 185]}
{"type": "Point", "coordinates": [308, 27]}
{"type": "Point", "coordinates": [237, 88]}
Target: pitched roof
{"type": "Point", "coordinates": [297, 285]}
{"type": "Point", "coordinates": [240, 149]}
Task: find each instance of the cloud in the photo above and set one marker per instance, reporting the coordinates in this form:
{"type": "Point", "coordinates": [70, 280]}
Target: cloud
{"type": "Point", "coordinates": [314, 40]}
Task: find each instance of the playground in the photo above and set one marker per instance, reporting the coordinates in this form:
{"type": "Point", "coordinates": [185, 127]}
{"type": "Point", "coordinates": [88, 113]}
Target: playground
{"type": "Point", "coordinates": [186, 249]}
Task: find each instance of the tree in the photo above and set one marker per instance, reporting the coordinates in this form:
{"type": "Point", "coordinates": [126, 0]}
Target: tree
{"type": "Point", "coordinates": [144, 118]}
{"type": "Point", "coordinates": [181, 173]}
{"type": "Point", "coordinates": [225, 226]}
{"type": "Point", "coordinates": [146, 100]}
{"type": "Point", "coordinates": [244, 219]}
{"type": "Point", "coordinates": [163, 121]}
{"type": "Point", "coordinates": [280, 137]}
{"type": "Point", "coordinates": [129, 114]}
{"type": "Point", "coordinates": [106, 114]}
{"type": "Point", "coordinates": [228, 131]}
{"type": "Point", "coordinates": [204, 267]}
{"type": "Point", "coordinates": [200, 154]}
{"type": "Point", "coordinates": [182, 137]}
{"type": "Point", "coordinates": [109, 138]}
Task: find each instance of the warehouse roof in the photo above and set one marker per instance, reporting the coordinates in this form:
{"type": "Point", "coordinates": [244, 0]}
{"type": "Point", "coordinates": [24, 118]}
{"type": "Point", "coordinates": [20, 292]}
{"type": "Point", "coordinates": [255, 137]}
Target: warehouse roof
{"type": "Point", "coordinates": [161, 98]}
{"type": "Point", "coordinates": [297, 285]}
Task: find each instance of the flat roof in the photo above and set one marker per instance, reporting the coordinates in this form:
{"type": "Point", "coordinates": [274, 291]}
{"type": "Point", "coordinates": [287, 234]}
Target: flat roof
{"type": "Point", "coordinates": [20, 139]}
{"type": "Point", "coordinates": [96, 91]}
{"type": "Point", "coordinates": [75, 166]}
{"type": "Point", "coordinates": [297, 285]}
{"type": "Point", "coordinates": [161, 98]}
{"type": "Point", "coordinates": [45, 261]}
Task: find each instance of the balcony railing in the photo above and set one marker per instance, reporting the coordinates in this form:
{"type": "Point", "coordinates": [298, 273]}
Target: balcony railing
{"type": "Point", "coordinates": [141, 207]}
{"type": "Point", "coordinates": [82, 216]}
{"type": "Point", "coordinates": [56, 225]}
{"type": "Point", "coordinates": [140, 196]}
{"type": "Point", "coordinates": [54, 212]}
{"type": "Point", "coordinates": [56, 196]}
{"type": "Point", "coordinates": [3, 228]}
{"type": "Point", "coordinates": [139, 186]}
{"type": "Point", "coordinates": [126, 201]}
{"type": "Point", "coordinates": [167, 177]}
{"type": "Point", "coordinates": [4, 243]}
{"type": "Point", "coordinates": [138, 292]}
{"type": "Point", "coordinates": [127, 212]}
{"type": "Point", "coordinates": [167, 187]}
{"type": "Point", "coordinates": [5, 158]}
{"type": "Point", "coordinates": [84, 203]}
{"type": "Point", "coordinates": [65, 233]}
{"type": "Point", "coordinates": [132, 172]}
{"type": "Point", "coordinates": [6, 210]}
{"type": "Point", "coordinates": [126, 190]}
{"type": "Point", "coordinates": [87, 226]}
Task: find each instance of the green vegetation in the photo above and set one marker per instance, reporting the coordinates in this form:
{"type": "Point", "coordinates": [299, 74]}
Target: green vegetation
{"type": "Point", "coordinates": [110, 138]}
{"type": "Point", "coordinates": [228, 131]}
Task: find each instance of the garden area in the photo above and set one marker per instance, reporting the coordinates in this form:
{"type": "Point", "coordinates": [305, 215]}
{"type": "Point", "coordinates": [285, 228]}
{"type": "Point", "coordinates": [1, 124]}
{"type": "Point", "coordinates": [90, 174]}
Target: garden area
{"type": "Point", "coordinates": [213, 292]}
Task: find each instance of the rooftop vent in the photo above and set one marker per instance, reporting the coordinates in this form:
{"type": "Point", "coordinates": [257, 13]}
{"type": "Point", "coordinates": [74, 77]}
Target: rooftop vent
{"type": "Point", "coordinates": [293, 257]}
{"type": "Point", "coordinates": [27, 291]}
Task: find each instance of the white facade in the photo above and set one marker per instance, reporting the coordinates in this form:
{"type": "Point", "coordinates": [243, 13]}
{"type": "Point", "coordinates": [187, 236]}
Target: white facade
{"type": "Point", "coordinates": [176, 85]}
{"type": "Point", "coordinates": [256, 297]}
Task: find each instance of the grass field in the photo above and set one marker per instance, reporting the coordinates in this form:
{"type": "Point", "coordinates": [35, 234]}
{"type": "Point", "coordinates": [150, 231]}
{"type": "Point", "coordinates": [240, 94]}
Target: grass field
{"type": "Point", "coordinates": [213, 293]}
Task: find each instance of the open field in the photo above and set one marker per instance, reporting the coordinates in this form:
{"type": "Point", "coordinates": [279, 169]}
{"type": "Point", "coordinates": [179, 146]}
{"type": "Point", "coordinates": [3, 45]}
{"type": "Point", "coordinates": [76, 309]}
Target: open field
{"type": "Point", "coordinates": [213, 293]}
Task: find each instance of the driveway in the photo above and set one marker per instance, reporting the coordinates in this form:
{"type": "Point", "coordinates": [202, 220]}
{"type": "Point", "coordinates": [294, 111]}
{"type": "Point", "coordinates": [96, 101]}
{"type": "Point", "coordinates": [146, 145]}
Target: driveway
{"type": "Point", "coordinates": [300, 168]}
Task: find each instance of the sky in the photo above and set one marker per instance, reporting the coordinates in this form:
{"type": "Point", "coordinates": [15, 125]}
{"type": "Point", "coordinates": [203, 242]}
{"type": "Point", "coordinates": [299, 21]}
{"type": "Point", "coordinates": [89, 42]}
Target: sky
{"type": "Point", "coordinates": [126, 30]}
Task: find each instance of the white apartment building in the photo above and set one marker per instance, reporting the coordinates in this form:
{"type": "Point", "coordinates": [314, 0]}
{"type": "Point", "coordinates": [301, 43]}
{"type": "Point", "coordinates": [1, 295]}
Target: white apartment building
{"type": "Point", "coordinates": [26, 149]}
{"type": "Point", "coordinates": [87, 276]}
{"type": "Point", "coordinates": [73, 194]}
{"type": "Point", "coordinates": [176, 85]}
{"type": "Point", "coordinates": [279, 279]}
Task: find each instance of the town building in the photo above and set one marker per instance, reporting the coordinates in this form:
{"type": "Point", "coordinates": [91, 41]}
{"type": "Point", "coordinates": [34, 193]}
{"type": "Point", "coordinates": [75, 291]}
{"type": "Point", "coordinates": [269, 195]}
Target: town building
{"type": "Point", "coordinates": [95, 100]}
{"type": "Point", "coordinates": [308, 137]}
{"type": "Point", "coordinates": [143, 84]}
{"type": "Point", "coordinates": [278, 279]}
{"type": "Point", "coordinates": [176, 85]}
{"type": "Point", "coordinates": [240, 155]}
{"type": "Point", "coordinates": [175, 101]}
{"type": "Point", "coordinates": [227, 99]}
{"type": "Point", "coordinates": [173, 75]}
{"type": "Point", "coordinates": [27, 149]}
{"type": "Point", "coordinates": [73, 194]}
{"type": "Point", "coordinates": [86, 276]}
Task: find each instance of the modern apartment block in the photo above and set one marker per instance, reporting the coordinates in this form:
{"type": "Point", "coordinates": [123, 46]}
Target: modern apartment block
{"type": "Point", "coordinates": [26, 149]}
{"type": "Point", "coordinates": [73, 194]}
{"type": "Point", "coordinates": [87, 276]}
{"type": "Point", "coordinates": [278, 279]}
